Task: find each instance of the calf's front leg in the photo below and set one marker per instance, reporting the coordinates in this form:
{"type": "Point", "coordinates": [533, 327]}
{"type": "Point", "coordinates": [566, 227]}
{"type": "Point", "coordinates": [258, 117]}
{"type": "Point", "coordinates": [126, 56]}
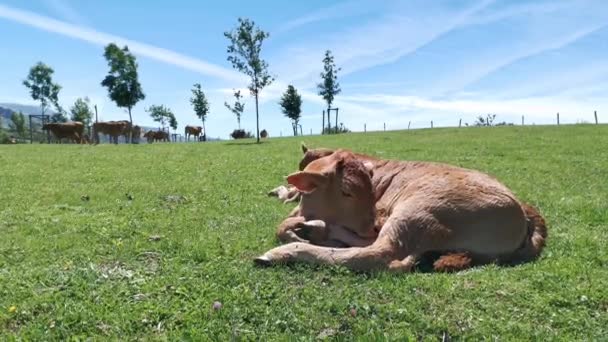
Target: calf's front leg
{"type": "Point", "coordinates": [384, 254]}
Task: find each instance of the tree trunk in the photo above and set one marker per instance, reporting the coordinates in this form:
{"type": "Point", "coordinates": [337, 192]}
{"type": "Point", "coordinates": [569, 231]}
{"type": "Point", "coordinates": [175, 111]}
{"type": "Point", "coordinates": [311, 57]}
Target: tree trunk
{"type": "Point", "coordinates": [257, 117]}
{"type": "Point", "coordinates": [328, 120]}
{"type": "Point", "coordinates": [204, 130]}
{"type": "Point", "coordinates": [130, 128]}
{"type": "Point", "coordinates": [336, 120]}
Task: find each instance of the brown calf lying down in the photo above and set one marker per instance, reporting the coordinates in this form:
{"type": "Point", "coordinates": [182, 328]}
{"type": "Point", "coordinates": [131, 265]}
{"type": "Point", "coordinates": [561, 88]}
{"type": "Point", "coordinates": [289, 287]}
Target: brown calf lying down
{"type": "Point", "coordinates": [421, 207]}
{"type": "Point", "coordinates": [71, 130]}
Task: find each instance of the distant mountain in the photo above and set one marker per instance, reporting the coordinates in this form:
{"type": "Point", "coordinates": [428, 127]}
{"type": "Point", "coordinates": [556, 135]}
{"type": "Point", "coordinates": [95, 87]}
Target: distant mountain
{"type": "Point", "coordinates": [7, 109]}
{"type": "Point", "coordinates": [25, 109]}
{"type": "Point", "coordinates": [5, 116]}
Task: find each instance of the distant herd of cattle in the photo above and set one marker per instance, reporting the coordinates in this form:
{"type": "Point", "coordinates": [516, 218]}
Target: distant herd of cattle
{"type": "Point", "coordinates": [74, 131]}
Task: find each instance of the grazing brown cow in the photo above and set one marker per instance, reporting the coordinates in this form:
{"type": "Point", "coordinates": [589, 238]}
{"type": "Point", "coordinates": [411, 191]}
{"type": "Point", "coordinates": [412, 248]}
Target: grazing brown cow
{"type": "Point", "coordinates": [134, 136]}
{"type": "Point", "coordinates": [152, 136]}
{"type": "Point", "coordinates": [193, 131]}
{"type": "Point", "coordinates": [71, 130]}
{"type": "Point", "coordinates": [424, 207]}
{"type": "Point", "coordinates": [114, 129]}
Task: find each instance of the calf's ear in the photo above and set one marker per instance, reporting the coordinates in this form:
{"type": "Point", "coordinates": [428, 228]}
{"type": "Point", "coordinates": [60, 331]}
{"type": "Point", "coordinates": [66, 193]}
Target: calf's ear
{"type": "Point", "coordinates": [370, 167]}
{"type": "Point", "coordinates": [304, 148]}
{"type": "Point", "coordinates": [306, 181]}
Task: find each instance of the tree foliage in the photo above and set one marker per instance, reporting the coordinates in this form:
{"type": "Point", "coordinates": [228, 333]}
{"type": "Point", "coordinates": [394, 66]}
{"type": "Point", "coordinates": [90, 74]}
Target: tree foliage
{"type": "Point", "coordinates": [199, 103]}
{"type": "Point", "coordinates": [329, 86]}
{"type": "Point", "coordinates": [122, 80]}
{"type": "Point", "coordinates": [291, 103]}
{"type": "Point", "coordinates": [42, 88]}
{"type": "Point", "coordinates": [172, 121]}
{"type": "Point", "coordinates": [238, 108]}
{"type": "Point", "coordinates": [17, 124]}
{"type": "Point", "coordinates": [336, 129]}
{"type": "Point", "coordinates": [162, 115]}
{"type": "Point", "coordinates": [81, 111]}
{"type": "Point", "coordinates": [244, 54]}
{"type": "Point", "coordinates": [59, 116]}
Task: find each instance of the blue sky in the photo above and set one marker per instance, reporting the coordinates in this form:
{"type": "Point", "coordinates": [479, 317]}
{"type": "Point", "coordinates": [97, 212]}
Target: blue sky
{"type": "Point", "coordinates": [401, 60]}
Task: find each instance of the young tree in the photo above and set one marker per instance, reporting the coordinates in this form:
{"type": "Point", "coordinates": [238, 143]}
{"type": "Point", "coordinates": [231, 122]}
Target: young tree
{"type": "Point", "coordinates": [329, 86]}
{"type": "Point", "coordinates": [81, 111]}
{"type": "Point", "coordinates": [291, 103]}
{"type": "Point", "coordinates": [40, 83]}
{"type": "Point", "coordinates": [162, 115]}
{"type": "Point", "coordinates": [122, 79]}
{"type": "Point", "coordinates": [17, 124]}
{"type": "Point", "coordinates": [200, 104]}
{"type": "Point", "coordinates": [172, 121]}
{"type": "Point", "coordinates": [244, 54]}
{"type": "Point", "coordinates": [238, 108]}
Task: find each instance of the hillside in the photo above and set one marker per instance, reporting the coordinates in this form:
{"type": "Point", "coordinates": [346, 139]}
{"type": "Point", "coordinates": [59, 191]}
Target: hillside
{"type": "Point", "coordinates": [7, 109]}
{"type": "Point", "coordinates": [137, 242]}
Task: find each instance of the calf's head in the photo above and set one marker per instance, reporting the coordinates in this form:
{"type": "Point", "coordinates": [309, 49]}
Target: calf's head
{"type": "Point", "coordinates": [311, 155]}
{"type": "Point", "coordinates": [337, 189]}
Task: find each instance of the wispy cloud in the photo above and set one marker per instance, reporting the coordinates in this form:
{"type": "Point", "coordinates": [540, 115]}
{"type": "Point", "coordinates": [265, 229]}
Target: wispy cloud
{"type": "Point", "coordinates": [379, 41]}
{"type": "Point", "coordinates": [340, 10]}
{"type": "Point", "coordinates": [66, 11]}
{"type": "Point", "coordinates": [544, 107]}
{"type": "Point", "coordinates": [100, 38]}
{"type": "Point", "coordinates": [534, 30]}
{"type": "Point", "coordinates": [487, 67]}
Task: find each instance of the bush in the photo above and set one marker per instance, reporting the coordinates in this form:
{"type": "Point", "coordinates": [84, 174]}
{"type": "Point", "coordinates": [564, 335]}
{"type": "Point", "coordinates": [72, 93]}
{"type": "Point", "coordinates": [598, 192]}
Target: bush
{"type": "Point", "coordinates": [3, 137]}
{"type": "Point", "coordinates": [487, 121]}
{"type": "Point", "coordinates": [336, 130]}
{"type": "Point", "coordinates": [241, 134]}
{"type": "Point", "coordinates": [264, 134]}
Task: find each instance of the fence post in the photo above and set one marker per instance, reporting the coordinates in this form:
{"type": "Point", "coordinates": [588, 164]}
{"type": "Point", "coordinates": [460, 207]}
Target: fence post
{"type": "Point", "coordinates": [385, 126]}
{"type": "Point", "coordinates": [459, 123]}
{"type": "Point", "coordinates": [558, 118]}
{"type": "Point", "coordinates": [364, 128]}
{"type": "Point", "coordinates": [408, 125]}
{"type": "Point", "coordinates": [431, 123]}
{"type": "Point", "coordinates": [311, 131]}
{"type": "Point", "coordinates": [595, 114]}
{"type": "Point", "coordinates": [522, 120]}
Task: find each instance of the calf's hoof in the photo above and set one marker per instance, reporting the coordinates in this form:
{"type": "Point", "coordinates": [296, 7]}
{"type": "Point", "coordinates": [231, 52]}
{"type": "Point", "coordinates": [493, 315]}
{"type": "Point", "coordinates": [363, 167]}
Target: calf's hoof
{"type": "Point", "coordinates": [276, 191]}
{"type": "Point", "coordinates": [263, 261]}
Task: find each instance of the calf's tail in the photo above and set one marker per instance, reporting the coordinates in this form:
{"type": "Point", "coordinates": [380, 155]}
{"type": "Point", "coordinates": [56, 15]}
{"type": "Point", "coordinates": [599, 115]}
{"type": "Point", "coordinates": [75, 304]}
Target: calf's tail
{"type": "Point", "coordinates": [535, 240]}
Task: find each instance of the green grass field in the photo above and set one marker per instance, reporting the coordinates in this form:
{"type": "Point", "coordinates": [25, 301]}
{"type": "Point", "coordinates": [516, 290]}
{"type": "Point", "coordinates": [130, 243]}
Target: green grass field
{"type": "Point", "coordinates": [168, 229]}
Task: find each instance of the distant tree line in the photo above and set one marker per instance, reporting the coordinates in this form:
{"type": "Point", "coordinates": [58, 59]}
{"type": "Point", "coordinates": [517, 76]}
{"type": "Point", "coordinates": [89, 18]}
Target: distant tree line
{"type": "Point", "coordinates": [244, 49]}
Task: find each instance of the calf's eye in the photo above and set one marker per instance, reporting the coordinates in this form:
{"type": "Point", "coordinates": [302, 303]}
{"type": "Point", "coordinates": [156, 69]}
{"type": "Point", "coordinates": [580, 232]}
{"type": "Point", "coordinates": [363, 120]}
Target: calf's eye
{"type": "Point", "coordinates": [346, 194]}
